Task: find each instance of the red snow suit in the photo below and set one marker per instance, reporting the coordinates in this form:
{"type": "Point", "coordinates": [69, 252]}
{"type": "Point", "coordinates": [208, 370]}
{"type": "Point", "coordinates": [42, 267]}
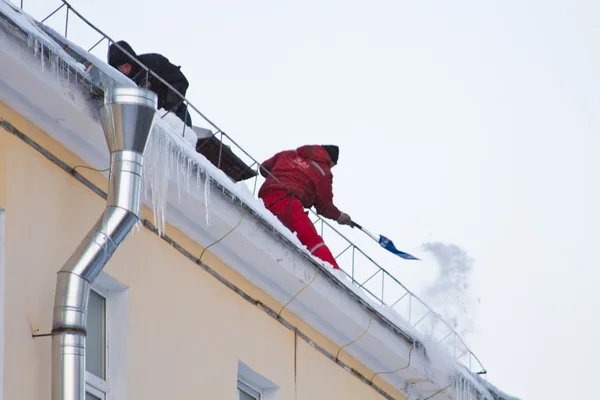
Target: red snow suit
{"type": "Point", "coordinates": [306, 175]}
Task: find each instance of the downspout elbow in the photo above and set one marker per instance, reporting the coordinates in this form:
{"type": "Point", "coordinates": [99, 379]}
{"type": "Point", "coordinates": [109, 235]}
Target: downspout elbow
{"type": "Point", "coordinates": [127, 117]}
{"type": "Point", "coordinates": [90, 257]}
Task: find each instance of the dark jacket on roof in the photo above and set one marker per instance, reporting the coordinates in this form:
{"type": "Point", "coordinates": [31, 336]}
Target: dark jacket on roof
{"type": "Point", "coordinates": [158, 64]}
{"type": "Point", "coordinates": [306, 173]}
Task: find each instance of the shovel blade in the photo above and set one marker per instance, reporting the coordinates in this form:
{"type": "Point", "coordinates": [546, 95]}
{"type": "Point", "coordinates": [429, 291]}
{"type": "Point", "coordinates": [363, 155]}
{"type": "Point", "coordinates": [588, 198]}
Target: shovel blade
{"type": "Point", "coordinates": [389, 246]}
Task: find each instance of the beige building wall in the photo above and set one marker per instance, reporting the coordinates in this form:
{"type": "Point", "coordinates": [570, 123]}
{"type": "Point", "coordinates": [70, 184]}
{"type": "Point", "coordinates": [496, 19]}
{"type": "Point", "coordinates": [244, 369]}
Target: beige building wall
{"type": "Point", "coordinates": [186, 331]}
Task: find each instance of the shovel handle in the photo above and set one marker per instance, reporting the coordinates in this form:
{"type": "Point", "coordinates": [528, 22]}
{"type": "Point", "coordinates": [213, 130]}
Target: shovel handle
{"type": "Point", "coordinates": [372, 236]}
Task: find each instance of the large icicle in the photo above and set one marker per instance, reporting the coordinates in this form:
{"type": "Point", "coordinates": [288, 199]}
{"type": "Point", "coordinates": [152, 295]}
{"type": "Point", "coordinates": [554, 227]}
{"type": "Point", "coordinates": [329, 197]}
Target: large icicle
{"type": "Point", "coordinates": [207, 197]}
{"type": "Point", "coordinates": [157, 167]}
{"type": "Point", "coordinates": [166, 160]}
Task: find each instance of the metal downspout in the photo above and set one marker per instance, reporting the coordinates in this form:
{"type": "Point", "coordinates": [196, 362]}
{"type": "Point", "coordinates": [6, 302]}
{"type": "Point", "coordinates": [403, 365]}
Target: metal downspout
{"type": "Point", "coordinates": [127, 116]}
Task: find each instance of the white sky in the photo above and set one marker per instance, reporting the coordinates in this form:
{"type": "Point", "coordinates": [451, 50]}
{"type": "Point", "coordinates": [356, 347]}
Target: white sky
{"type": "Point", "coordinates": [459, 122]}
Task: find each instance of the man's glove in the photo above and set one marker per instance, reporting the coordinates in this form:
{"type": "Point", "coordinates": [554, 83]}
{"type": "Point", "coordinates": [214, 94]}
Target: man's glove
{"type": "Point", "coordinates": [344, 219]}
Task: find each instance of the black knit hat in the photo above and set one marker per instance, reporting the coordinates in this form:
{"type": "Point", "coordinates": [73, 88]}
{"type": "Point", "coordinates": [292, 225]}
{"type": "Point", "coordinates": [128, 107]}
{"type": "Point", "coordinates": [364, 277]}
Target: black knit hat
{"type": "Point", "coordinates": [116, 57]}
{"type": "Point", "coordinates": [334, 152]}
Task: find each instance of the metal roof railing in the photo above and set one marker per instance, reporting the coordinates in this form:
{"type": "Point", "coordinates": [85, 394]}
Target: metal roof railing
{"type": "Point", "coordinates": [370, 277]}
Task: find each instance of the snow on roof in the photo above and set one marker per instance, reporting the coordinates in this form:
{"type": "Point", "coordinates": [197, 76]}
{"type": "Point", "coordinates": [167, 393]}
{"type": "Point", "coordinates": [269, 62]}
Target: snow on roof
{"type": "Point", "coordinates": [185, 190]}
{"type": "Point", "coordinates": [499, 394]}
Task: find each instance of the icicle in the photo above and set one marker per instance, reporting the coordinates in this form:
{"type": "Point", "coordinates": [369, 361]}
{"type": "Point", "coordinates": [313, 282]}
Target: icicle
{"type": "Point", "coordinates": [57, 68]}
{"type": "Point", "coordinates": [156, 176]}
{"type": "Point", "coordinates": [136, 228]}
{"type": "Point", "coordinates": [42, 56]}
{"type": "Point", "coordinates": [207, 197]}
{"type": "Point", "coordinates": [52, 66]}
{"type": "Point", "coordinates": [198, 174]}
{"type": "Point", "coordinates": [178, 174]}
{"type": "Point", "coordinates": [35, 48]}
{"type": "Point", "coordinates": [457, 388]}
{"type": "Point", "coordinates": [161, 183]}
{"type": "Point", "coordinates": [188, 173]}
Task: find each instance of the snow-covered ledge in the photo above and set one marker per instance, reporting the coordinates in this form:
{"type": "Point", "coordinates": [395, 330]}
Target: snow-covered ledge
{"type": "Point", "coordinates": [260, 248]}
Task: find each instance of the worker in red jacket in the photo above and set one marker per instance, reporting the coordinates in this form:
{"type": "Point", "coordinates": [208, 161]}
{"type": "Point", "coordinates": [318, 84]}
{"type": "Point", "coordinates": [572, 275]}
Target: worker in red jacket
{"type": "Point", "coordinates": [298, 179]}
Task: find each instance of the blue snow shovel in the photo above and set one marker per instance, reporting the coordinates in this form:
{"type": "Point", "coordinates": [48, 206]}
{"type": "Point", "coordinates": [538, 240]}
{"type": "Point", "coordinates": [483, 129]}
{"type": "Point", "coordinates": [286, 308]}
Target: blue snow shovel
{"type": "Point", "coordinates": [386, 244]}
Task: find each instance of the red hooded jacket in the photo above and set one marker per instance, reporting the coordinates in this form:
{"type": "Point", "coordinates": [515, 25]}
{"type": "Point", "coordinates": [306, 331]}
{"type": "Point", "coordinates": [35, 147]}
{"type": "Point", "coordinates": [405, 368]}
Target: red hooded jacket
{"type": "Point", "coordinates": [306, 172]}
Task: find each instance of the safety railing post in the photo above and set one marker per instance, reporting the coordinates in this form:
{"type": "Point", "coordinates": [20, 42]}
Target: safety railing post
{"type": "Point", "coordinates": [220, 152]}
{"type": "Point", "coordinates": [67, 22]}
{"type": "Point", "coordinates": [382, 288]}
{"type": "Point", "coordinates": [353, 280]}
{"type": "Point", "coordinates": [256, 178]}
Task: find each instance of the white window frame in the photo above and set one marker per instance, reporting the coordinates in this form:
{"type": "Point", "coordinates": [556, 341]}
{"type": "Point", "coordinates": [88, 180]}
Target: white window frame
{"type": "Point", "coordinates": [256, 383]}
{"type": "Point", "coordinates": [116, 296]}
{"type": "Point", "coordinates": [93, 383]}
{"type": "Point", "coordinates": [101, 394]}
{"type": "Point", "coordinates": [244, 387]}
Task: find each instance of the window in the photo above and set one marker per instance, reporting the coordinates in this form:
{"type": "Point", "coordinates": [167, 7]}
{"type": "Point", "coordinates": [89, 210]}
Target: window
{"type": "Point", "coordinates": [253, 386]}
{"type": "Point", "coordinates": [245, 392]}
{"type": "Point", "coordinates": [93, 394]}
{"type": "Point", "coordinates": [106, 342]}
{"type": "Point", "coordinates": [95, 356]}
{"type": "Point", "coordinates": [95, 362]}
